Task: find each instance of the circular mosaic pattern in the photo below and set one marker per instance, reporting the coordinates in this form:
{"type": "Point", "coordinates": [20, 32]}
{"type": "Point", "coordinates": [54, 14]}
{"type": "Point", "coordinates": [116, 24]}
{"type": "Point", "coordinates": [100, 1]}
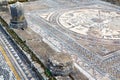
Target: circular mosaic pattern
{"type": "Point", "coordinates": [93, 22]}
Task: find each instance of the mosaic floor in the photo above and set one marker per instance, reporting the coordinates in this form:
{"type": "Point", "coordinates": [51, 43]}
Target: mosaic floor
{"type": "Point", "coordinates": [5, 72]}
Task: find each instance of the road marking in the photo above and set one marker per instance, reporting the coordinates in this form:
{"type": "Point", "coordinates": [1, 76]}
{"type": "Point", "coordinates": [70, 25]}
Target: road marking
{"type": "Point", "coordinates": [9, 63]}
